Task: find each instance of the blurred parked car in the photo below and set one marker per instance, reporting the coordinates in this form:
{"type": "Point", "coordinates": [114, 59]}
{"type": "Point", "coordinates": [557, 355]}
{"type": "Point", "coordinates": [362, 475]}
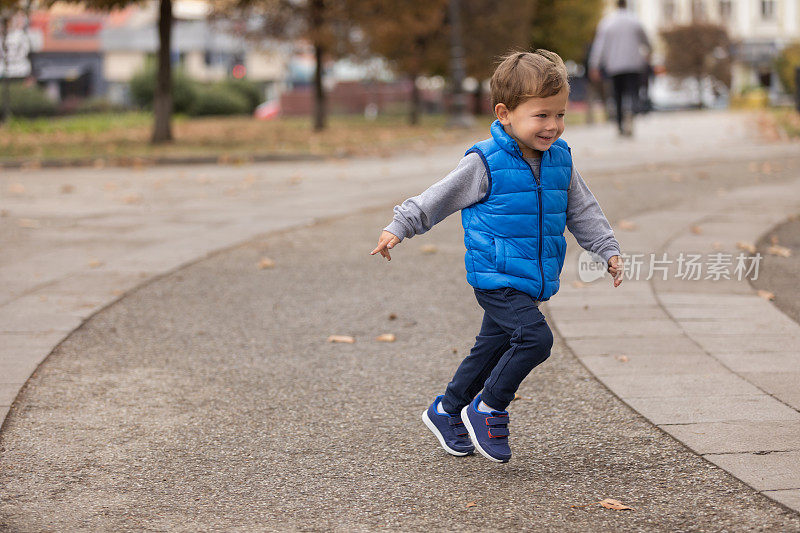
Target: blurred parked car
{"type": "Point", "coordinates": [670, 93]}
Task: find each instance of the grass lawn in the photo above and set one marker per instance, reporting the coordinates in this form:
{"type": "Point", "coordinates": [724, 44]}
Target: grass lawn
{"type": "Point", "coordinates": [110, 136]}
{"type": "Point", "coordinates": [781, 123]}
{"type": "Point", "coordinates": [123, 136]}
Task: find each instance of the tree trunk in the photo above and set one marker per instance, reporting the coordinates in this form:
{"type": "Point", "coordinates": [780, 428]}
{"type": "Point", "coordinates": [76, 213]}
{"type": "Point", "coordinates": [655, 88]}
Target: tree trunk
{"type": "Point", "coordinates": [699, 92]}
{"type": "Point", "coordinates": [162, 99]}
{"type": "Point", "coordinates": [416, 101]}
{"type": "Point", "coordinates": [319, 91]}
{"type": "Point", "coordinates": [317, 7]}
{"type": "Point", "coordinates": [6, 113]}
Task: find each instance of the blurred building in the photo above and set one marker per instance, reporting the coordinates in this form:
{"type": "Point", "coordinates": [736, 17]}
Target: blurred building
{"type": "Point", "coordinates": [66, 57]}
{"type": "Point", "coordinates": [759, 29]}
{"type": "Point", "coordinates": [206, 50]}
{"type": "Point", "coordinates": [75, 53]}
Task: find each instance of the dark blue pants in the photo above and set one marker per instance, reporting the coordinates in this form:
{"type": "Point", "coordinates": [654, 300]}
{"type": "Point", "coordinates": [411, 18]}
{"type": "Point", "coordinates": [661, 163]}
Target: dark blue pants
{"type": "Point", "coordinates": [514, 338]}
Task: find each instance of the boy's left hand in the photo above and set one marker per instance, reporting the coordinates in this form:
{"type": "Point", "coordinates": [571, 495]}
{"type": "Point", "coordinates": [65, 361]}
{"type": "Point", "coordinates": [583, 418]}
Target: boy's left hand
{"type": "Point", "coordinates": [616, 268]}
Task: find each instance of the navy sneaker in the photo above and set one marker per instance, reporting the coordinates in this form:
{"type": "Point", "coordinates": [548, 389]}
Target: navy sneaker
{"type": "Point", "coordinates": [448, 429]}
{"type": "Point", "coordinates": [488, 431]}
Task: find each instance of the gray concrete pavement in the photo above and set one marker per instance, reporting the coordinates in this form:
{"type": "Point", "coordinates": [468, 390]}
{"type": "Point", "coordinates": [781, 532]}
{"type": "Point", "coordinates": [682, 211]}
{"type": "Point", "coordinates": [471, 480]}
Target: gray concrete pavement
{"type": "Point", "coordinates": [79, 240]}
{"type": "Point", "coordinates": [210, 400]}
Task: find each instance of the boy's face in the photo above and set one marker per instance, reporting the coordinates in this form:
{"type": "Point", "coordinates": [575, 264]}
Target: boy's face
{"type": "Point", "coordinates": [536, 123]}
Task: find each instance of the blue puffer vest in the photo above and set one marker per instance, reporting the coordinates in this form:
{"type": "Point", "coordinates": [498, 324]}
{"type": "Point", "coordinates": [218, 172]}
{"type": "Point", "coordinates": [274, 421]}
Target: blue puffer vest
{"type": "Point", "coordinates": [515, 234]}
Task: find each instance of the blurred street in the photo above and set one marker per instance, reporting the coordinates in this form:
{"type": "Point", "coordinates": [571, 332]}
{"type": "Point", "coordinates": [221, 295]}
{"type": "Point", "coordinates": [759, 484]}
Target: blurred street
{"type": "Point", "coordinates": [190, 384]}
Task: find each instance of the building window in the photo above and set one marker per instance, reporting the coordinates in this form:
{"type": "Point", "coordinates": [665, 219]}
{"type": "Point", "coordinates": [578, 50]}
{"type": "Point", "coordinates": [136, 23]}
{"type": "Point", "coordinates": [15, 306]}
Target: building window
{"type": "Point", "coordinates": [668, 11]}
{"type": "Point", "coordinates": [767, 9]}
{"type": "Point", "coordinates": [725, 10]}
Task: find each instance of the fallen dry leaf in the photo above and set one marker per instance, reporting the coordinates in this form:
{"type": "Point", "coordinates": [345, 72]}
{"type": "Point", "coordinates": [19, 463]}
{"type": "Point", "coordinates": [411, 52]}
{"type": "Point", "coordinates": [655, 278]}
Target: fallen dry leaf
{"type": "Point", "coordinates": [392, 316]}
{"type": "Point", "coordinates": [746, 246]}
{"type": "Point", "coordinates": [428, 249]}
{"type": "Point", "coordinates": [28, 223]}
{"type": "Point", "coordinates": [472, 504]}
{"type": "Point", "coordinates": [455, 350]}
{"type": "Point", "coordinates": [296, 179]}
{"type": "Point", "coordinates": [110, 186]}
{"type": "Point", "coordinates": [617, 505]}
{"type": "Point", "coordinates": [16, 188]}
{"type": "Point", "coordinates": [782, 251]}
{"type": "Point", "coordinates": [578, 284]}
{"type": "Point", "coordinates": [773, 239]}
{"type": "Point", "coordinates": [621, 358]}
{"type": "Point", "coordinates": [67, 189]}
{"type": "Point", "coordinates": [341, 338]}
{"type": "Point", "coordinates": [386, 337]}
{"type": "Point", "coordinates": [697, 230]}
{"type": "Point", "coordinates": [767, 295]}
{"type": "Point", "coordinates": [703, 175]}
{"type": "Point", "coordinates": [716, 246]}
{"type": "Point", "coordinates": [626, 225]}
{"type": "Point", "coordinates": [95, 263]}
{"type": "Point", "coordinates": [132, 199]}
{"type": "Point", "coordinates": [266, 262]}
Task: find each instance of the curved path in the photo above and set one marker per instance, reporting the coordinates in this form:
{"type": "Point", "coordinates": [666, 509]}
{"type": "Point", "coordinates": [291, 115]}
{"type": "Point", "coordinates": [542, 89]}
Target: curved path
{"type": "Point", "coordinates": [209, 399]}
{"type": "Point", "coordinates": [707, 360]}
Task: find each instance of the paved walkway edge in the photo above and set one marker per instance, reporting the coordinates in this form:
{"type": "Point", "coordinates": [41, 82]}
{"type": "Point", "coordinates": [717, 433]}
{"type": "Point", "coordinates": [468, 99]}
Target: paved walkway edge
{"type": "Point", "coordinates": [33, 330]}
{"type": "Point", "coordinates": [145, 161]}
{"type": "Point", "coordinates": [708, 361]}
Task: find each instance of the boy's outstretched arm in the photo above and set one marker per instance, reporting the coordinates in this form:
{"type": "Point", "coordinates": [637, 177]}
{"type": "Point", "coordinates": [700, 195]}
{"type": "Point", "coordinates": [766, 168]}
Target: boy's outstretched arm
{"type": "Point", "coordinates": [586, 221]}
{"type": "Point", "coordinates": [462, 187]}
{"type": "Point", "coordinates": [385, 243]}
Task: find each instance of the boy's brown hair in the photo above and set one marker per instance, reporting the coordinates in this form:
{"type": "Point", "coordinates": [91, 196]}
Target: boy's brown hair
{"type": "Point", "coordinates": [524, 75]}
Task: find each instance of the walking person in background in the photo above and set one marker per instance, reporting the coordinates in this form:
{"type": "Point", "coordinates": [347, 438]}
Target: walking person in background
{"type": "Point", "coordinates": [622, 50]}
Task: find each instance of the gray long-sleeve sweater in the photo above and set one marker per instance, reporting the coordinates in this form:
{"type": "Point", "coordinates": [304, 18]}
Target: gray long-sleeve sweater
{"type": "Point", "coordinates": [467, 184]}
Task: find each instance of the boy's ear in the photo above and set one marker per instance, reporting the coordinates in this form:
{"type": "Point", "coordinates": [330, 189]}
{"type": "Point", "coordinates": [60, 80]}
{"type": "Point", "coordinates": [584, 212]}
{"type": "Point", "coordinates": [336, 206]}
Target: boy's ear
{"type": "Point", "coordinates": [501, 112]}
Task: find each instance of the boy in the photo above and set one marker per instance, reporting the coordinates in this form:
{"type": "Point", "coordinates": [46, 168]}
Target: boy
{"type": "Point", "coordinates": [517, 191]}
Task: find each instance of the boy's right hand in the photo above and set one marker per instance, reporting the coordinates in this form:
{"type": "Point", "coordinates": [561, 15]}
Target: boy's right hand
{"type": "Point", "coordinates": [385, 243]}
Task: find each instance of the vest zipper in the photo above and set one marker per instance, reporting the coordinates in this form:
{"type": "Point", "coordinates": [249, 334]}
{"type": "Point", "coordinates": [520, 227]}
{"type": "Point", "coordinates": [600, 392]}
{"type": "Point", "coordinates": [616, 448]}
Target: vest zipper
{"type": "Point", "coordinates": [539, 198]}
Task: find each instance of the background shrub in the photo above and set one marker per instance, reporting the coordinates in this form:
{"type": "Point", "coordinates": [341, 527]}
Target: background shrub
{"type": "Point", "coordinates": [219, 100]}
{"type": "Point", "coordinates": [29, 101]}
{"type": "Point", "coordinates": [143, 87]}
{"type": "Point", "coordinates": [251, 91]}
{"type": "Point", "coordinates": [785, 63]}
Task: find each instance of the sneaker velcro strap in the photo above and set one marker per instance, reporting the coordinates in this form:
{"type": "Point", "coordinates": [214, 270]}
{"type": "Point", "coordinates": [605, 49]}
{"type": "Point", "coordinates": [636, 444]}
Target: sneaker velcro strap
{"type": "Point", "coordinates": [496, 420]}
{"type": "Point", "coordinates": [498, 432]}
{"type": "Point", "coordinates": [455, 420]}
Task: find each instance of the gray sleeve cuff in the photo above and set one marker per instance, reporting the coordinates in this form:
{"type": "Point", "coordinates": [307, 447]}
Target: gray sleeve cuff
{"type": "Point", "coordinates": [398, 229]}
{"type": "Point", "coordinates": [609, 253]}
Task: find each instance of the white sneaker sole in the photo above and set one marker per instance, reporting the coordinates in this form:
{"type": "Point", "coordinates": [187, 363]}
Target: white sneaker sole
{"type": "Point", "coordinates": [427, 420]}
{"type": "Point", "coordinates": [474, 438]}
